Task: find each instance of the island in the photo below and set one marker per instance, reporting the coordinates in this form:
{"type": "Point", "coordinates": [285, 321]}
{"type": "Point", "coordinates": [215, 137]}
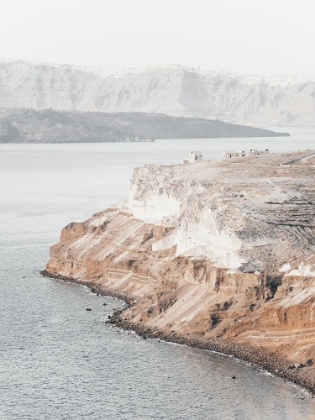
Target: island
{"type": "Point", "coordinates": [54, 126]}
{"type": "Point", "coordinates": [217, 255]}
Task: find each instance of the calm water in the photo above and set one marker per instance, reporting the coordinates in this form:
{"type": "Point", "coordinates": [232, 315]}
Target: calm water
{"type": "Point", "coordinates": [58, 361]}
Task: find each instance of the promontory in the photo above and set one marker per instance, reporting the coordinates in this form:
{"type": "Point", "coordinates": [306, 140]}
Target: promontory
{"type": "Point", "coordinates": [214, 254]}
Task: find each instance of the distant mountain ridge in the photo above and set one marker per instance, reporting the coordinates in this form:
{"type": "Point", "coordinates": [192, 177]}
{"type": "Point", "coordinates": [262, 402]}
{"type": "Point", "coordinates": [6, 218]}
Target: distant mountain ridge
{"type": "Point", "coordinates": [50, 126]}
{"type": "Point", "coordinates": [172, 90]}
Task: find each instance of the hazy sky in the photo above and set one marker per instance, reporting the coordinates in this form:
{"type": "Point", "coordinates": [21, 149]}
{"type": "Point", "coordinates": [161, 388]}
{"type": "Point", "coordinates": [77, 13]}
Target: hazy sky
{"type": "Point", "coordinates": [252, 36]}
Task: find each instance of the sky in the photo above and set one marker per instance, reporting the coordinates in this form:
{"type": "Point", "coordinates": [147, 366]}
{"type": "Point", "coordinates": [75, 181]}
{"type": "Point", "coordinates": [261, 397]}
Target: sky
{"type": "Point", "coordinates": [244, 36]}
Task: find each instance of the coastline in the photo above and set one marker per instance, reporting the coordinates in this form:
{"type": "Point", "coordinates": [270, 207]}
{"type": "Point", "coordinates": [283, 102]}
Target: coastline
{"type": "Point", "coordinates": [260, 357]}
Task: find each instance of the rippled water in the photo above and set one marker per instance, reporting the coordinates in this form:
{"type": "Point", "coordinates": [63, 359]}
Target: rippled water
{"type": "Point", "coordinates": [58, 361]}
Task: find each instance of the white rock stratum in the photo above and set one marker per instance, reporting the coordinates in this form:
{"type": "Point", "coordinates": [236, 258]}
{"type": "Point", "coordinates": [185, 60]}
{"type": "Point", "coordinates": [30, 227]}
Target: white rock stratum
{"type": "Point", "coordinates": [171, 90]}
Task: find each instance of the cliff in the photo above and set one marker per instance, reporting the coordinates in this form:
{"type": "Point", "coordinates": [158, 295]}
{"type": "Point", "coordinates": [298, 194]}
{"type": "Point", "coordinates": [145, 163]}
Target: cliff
{"type": "Point", "coordinates": [172, 90]}
{"type": "Point", "coordinates": [220, 251]}
{"type": "Point", "coordinates": [50, 126]}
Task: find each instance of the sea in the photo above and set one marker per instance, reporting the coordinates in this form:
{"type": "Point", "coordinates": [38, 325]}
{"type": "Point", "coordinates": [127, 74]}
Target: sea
{"type": "Point", "coordinates": [59, 361]}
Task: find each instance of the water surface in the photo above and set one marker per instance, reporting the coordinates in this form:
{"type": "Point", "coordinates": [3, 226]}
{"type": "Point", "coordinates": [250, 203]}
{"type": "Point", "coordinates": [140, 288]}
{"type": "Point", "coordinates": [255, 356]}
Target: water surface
{"type": "Point", "coordinates": [58, 361]}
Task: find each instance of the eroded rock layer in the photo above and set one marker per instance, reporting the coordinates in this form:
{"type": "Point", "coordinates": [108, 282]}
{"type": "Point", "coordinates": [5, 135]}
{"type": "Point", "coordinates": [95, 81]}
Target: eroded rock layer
{"type": "Point", "coordinates": [221, 250]}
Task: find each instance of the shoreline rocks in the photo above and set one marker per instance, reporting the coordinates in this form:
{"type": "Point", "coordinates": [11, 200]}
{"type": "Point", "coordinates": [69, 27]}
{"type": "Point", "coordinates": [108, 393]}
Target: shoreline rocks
{"type": "Point", "coordinates": [262, 358]}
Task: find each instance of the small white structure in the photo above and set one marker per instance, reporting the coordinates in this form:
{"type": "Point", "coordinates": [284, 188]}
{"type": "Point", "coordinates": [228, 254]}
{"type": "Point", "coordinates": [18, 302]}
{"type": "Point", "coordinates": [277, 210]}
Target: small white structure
{"type": "Point", "coordinates": [264, 152]}
{"type": "Point", "coordinates": [229, 154]}
{"type": "Point", "coordinates": [253, 152]}
{"type": "Point", "coordinates": [194, 157]}
{"type": "Point", "coordinates": [242, 153]}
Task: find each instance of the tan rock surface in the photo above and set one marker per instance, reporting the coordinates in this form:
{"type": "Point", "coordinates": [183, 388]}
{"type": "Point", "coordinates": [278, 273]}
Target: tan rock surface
{"type": "Point", "coordinates": [214, 249]}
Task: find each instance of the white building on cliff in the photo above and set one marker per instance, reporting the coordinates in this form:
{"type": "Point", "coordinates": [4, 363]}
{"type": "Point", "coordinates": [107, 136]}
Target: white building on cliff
{"type": "Point", "coordinates": [195, 156]}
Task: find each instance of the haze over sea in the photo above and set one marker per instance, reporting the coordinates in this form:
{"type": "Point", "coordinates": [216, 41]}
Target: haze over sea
{"type": "Point", "coordinates": [58, 361]}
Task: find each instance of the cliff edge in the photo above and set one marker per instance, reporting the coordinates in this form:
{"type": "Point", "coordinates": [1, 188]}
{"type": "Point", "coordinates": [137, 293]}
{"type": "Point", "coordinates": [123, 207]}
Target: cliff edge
{"type": "Point", "coordinates": [216, 252]}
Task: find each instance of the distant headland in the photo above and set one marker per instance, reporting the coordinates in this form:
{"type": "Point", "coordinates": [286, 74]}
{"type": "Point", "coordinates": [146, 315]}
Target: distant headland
{"type": "Point", "coordinates": [51, 126]}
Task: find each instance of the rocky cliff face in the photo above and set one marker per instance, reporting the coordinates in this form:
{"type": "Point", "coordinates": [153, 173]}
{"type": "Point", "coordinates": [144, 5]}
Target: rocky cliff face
{"type": "Point", "coordinates": [171, 90]}
{"type": "Point", "coordinates": [209, 250]}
